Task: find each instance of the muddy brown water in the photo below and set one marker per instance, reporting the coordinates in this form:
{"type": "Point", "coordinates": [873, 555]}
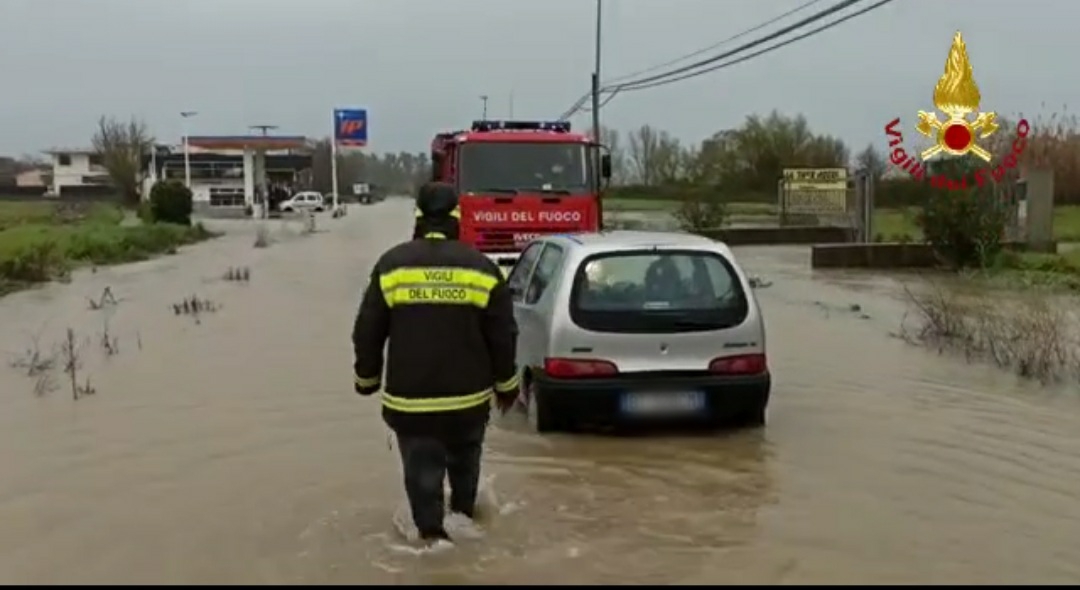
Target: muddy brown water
{"type": "Point", "coordinates": [233, 451]}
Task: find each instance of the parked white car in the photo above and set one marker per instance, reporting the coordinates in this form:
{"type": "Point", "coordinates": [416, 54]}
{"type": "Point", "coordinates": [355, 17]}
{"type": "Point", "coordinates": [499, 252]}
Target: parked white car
{"type": "Point", "coordinates": [304, 201]}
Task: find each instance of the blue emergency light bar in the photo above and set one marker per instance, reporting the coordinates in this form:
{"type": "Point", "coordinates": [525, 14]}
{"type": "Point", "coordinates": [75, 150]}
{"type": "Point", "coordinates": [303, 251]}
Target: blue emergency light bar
{"type": "Point", "coordinates": [556, 126]}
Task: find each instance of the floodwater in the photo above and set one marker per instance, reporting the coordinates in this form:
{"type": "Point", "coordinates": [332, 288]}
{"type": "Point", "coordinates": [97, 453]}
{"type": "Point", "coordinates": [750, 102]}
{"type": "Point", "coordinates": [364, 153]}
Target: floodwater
{"type": "Point", "coordinates": [233, 450]}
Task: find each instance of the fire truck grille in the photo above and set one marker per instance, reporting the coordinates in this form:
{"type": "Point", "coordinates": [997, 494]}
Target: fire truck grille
{"type": "Point", "coordinates": [509, 240]}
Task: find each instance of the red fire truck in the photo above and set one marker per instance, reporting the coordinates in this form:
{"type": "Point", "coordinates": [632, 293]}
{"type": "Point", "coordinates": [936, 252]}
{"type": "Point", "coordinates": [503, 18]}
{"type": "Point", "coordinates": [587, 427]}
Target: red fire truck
{"type": "Point", "coordinates": [521, 179]}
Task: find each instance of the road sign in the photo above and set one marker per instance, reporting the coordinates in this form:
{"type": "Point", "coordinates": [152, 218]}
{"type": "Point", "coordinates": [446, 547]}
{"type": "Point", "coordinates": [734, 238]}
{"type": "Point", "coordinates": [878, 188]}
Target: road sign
{"type": "Point", "coordinates": [816, 191]}
{"type": "Point", "coordinates": [361, 188]}
{"type": "Point", "coordinates": [350, 127]}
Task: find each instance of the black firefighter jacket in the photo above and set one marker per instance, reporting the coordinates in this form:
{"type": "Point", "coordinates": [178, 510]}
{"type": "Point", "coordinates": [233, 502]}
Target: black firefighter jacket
{"type": "Point", "coordinates": [449, 319]}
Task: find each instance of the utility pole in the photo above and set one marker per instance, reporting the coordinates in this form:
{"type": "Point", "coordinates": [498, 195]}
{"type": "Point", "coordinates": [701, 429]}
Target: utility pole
{"type": "Point", "coordinates": [596, 79]}
{"type": "Point", "coordinates": [596, 114]}
{"type": "Point", "coordinates": [185, 115]}
{"type": "Point", "coordinates": [260, 171]}
{"type": "Point", "coordinates": [484, 99]}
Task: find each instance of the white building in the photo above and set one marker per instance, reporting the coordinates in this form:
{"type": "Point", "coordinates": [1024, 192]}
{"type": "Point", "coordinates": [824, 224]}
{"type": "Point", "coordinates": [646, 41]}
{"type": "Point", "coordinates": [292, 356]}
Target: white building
{"type": "Point", "coordinates": [226, 171]}
{"type": "Point", "coordinates": [76, 167]}
{"type": "Point", "coordinates": [35, 177]}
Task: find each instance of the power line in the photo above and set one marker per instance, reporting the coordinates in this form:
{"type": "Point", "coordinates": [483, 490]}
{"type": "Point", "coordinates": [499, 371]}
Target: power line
{"type": "Point", "coordinates": [610, 98]}
{"type": "Point", "coordinates": [644, 85]}
{"type": "Point", "coordinates": [575, 107]}
{"type": "Point", "coordinates": [711, 60]}
{"type": "Point", "coordinates": [580, 105]}
{"type": "Point", "coordinates": [808, 20]}
{"type": "Point", "coordinates": [716, 45]}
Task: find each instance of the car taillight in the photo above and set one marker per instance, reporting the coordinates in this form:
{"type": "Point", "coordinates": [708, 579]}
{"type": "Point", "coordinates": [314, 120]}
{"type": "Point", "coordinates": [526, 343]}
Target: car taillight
{"type": "Point", "coordinates": [743, 364]}
{"type": "Point", "coordinates": [575, 368]}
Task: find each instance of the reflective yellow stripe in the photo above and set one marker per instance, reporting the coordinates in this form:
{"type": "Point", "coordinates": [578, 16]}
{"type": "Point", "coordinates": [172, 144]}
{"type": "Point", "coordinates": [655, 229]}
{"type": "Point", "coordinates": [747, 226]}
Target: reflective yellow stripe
{"type": "Point", "coordinates": [509, 385]}
{"type": "Point", "coordinates": [456, 213]}
{"type": "Point", "coordinates": [369, 382]}
{"type": "Point", "coordinates": [435, 404]}
{"type": "Point", "coordinates": [437, 285]}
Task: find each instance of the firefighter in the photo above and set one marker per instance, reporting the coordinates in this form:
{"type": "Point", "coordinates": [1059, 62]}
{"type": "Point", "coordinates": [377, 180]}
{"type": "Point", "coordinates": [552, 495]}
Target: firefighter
{"type": "Point", "coordinates": [448, 316]}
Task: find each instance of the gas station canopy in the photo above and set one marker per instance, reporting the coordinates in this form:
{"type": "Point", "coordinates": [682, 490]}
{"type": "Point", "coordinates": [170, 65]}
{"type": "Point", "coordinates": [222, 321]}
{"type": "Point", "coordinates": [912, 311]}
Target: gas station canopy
{"type": "Point", "coordinates": [249, 142]}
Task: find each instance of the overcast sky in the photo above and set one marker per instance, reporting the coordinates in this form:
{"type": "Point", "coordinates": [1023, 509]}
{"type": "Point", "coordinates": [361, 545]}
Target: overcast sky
{"type": "Point", "coordinates": [419, 66]}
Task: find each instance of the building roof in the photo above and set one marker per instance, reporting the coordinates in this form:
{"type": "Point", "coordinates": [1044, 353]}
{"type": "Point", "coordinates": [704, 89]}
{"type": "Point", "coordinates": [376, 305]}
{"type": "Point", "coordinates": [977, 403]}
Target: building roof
{"type": "Point", "coordinates": [70, 150]}
{"type": "Point", "coordinates": [255, 142]}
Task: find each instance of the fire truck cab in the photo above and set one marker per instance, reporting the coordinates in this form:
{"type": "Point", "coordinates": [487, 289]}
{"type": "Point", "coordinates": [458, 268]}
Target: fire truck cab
{"type": "Point", "coordinates": [521, 179]}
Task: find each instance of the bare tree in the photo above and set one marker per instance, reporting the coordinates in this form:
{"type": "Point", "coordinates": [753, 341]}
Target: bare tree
{"type": "Point", "coordinates": [121, 146]}
{"type": "Point", "coordinates": [654, 156]}
{"type": "Point", "coordinates": [670, 159]}
{"type": "Point", "coordinates": [642, 154]}
{"type": "Point", "coordinates": [613, 140]}
{"type": "Point", "coordinates": [872, 161]}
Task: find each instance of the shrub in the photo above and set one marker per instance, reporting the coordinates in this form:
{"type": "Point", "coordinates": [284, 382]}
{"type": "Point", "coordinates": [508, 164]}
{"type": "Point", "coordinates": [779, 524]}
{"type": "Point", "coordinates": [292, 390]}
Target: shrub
{"type": "Point", "coordinates": [697, 212]}
{"type": "Point", "coordinates": [34, 254]}
{"type": "Point", "coordinates": [33, 262]}
{"type": "Point", "coordinates": [1025, 332]}
{"type": "Point", "coordinates": [170, 202]}
{"type": "Point", "coordinates": [145, 212]}
{"type": "Point", "coordinates": [965, 227]}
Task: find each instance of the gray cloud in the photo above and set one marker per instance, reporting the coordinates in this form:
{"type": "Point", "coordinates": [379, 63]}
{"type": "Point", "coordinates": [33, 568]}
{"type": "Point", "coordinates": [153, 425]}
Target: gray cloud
{"type": "Point", "coordinates": [420, 65]}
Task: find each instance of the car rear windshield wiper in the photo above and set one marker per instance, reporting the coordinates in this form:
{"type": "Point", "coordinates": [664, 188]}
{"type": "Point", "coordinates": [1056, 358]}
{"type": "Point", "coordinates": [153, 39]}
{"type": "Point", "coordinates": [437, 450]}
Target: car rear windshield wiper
{"type": "Point", "coordinates": [557, 191]}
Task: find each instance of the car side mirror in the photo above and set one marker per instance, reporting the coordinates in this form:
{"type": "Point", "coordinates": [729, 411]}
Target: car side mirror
{"type": "Point", "coordinates": [605, 166]}
{"type": "Point", "coordinates": [436, 164]}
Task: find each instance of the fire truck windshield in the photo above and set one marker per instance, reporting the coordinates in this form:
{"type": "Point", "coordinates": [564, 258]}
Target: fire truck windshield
{"type": "Point", "coordinates": [512, 166]}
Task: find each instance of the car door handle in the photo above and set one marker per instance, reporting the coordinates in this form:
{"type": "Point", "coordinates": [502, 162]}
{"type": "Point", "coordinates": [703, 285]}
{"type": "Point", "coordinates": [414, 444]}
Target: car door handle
{"type": "Point", "coordinates": [504, 200]}
{"type": "Point", "coordinates": [551, 200]}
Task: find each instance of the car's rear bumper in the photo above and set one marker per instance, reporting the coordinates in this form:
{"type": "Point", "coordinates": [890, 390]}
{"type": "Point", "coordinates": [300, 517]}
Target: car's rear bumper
{"type": "Point", "coordinates": [603, 400]}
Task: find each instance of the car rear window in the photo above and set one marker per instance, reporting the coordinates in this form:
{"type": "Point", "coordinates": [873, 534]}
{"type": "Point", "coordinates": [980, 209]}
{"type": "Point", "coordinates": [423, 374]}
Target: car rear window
{"type": "Point", "coordinates": [654, 291]}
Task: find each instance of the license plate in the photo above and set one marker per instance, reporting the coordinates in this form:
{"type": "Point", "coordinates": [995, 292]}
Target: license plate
{"type": "Point", "coordinates": [663, 403]}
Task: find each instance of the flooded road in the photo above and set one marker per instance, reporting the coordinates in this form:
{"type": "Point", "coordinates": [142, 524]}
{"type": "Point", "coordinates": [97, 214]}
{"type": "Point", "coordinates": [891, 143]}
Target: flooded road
{"type": "Point", "coordinates": [234, 451]}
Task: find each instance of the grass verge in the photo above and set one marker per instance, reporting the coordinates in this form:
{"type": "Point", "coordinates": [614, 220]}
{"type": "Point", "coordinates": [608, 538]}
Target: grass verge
{"type": "Point", "coordinates": [1013, 270]}
{"type": "Point", "coordinates": [42, 242]}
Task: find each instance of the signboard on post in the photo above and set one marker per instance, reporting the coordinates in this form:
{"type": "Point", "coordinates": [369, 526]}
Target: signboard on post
{"type": "Point", "coordinates": [350, 127]}
{"type": "Point", "coordinates": [815, 191]}
{"type": "Point", "coordinates": [361, 188]}
{"type": "Point", "coordinates": [350, 131]}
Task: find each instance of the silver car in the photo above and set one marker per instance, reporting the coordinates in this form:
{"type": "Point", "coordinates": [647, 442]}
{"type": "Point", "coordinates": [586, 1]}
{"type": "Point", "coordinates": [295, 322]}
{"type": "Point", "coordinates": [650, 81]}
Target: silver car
{"type": "Point", "coordinates": [630, 326]}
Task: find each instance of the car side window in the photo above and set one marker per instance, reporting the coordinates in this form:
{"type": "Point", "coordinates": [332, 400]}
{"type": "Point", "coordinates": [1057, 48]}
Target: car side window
{"type": "Point", "coordinates": [546, 269]}
{"type": "Point", "coordinates": [519, 276]}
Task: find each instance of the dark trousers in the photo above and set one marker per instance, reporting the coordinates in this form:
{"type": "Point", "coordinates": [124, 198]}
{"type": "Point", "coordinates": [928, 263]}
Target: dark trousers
{"type": "Point", "coordinates": [428, 461]}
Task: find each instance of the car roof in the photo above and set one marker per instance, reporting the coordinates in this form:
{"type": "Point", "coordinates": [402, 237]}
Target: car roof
{"type": "Point", "coordinates": [607, 241]}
